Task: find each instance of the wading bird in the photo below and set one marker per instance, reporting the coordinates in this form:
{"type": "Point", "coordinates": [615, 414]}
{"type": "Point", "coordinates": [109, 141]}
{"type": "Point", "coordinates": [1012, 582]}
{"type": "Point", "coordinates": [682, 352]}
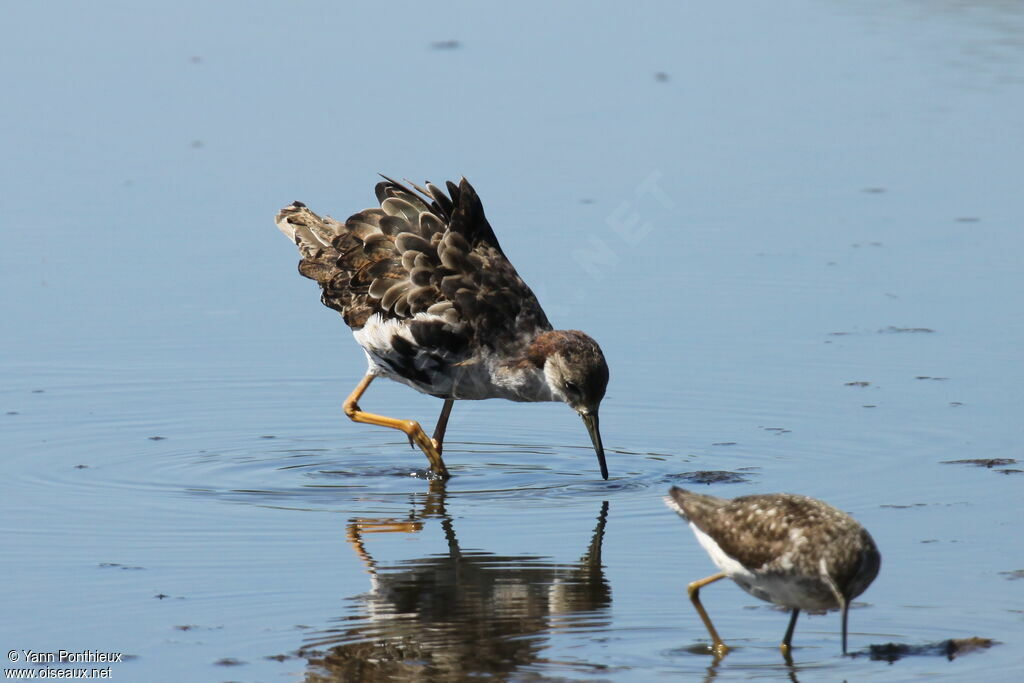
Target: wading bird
{"type": "Point", "coordinates": [793, 551]}
{"type": "Point", "coordinates": [436, 305]}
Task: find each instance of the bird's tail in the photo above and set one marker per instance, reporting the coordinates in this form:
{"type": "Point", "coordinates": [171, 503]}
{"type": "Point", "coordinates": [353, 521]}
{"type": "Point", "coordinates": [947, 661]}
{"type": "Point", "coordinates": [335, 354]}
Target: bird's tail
{"type": "Point", "coordinates": [332, 252]}
{"type": "Point", "coordinates": [314, 236]}
{"type": "Point", "coordinates": [343, 258]}
{"type": "Point", "coordinates": [325, 246]}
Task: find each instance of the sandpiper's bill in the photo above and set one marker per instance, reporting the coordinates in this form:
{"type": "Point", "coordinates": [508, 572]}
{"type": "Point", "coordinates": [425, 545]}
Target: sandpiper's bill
{"type": "Point", "coordinates": [793, 551]}
{"type": "Point", "coordinates": [436, 305]}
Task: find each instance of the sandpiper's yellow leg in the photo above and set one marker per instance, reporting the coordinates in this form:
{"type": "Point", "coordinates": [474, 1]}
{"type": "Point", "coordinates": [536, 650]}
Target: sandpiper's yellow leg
{"type": "Point", "coordinates": [693, 590]}
{"type": "Point", "coordinates": [356, 529]}
{"type": "Point", "coordinates": [411, 428]}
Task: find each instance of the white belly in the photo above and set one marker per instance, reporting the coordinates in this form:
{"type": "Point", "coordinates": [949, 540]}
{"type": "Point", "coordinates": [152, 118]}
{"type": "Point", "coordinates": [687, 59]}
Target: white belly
{"type": "Point", "coordinates": [783, 589]}
{"type": "Point", "coordinates": [476, 378]}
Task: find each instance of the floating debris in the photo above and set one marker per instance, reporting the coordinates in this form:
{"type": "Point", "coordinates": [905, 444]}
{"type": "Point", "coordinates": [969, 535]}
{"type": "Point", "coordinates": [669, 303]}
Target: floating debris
{"type": "Point", "coordinates": [906, 330]}
{"type": "Point", "coordinates": [661, 77]}
{"type": "Point", "coordinates": [950, 649]}
{"type": "Point", "coordinates": [229, 661]}
{"type": "Point", "coordinates": [982, 462]}
{"type": "Point", "coordinates": [445, 45]}
{"type": "Point", "coordinates": [713, 477]}
{"type": "Point", "coordinates": [857, 384]}
{"type": "Point", "coordinates": [278, 658]}
{"type": "Point", "coordinates": [934, 379]}
{"type": "Point", "coordinates": [1014, 575]}
{"type": "Point", "coordinates": [777, 430]}
{"type": "Point", "coordinates": [157, 438]}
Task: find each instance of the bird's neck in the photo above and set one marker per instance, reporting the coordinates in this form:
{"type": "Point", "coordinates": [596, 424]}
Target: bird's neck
{"type": "Point", "coordinates": [521, 380]}
{"type": "Point", "coordinates": [548, 343]}
{"type": "Point", "coordinates": [522, 377]}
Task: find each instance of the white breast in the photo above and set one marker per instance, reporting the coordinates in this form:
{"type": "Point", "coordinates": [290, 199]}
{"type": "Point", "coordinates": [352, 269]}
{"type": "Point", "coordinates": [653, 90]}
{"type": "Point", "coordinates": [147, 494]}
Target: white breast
{"type": "Point", "coordinates": [480, 377]}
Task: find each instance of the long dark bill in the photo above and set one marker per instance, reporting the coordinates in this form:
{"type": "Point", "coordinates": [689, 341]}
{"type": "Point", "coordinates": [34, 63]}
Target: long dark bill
{"type": "Point", "coordinates": [591, 421]}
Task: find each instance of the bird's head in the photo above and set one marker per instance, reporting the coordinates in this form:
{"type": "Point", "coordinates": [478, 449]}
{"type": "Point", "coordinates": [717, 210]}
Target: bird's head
{"type": "Point", "coordinates": [576, 373]}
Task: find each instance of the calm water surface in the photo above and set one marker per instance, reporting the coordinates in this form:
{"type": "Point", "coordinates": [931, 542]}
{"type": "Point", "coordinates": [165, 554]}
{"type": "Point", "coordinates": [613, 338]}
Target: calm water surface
{"type": "Point", "coordinates": [795, 230]}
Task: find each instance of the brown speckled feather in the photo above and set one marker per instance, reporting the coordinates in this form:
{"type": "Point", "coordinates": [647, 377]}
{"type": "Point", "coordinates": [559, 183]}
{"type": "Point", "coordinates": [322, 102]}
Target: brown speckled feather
{"type": "Point", "coordinates": [421, 250]}
{"type": "Point", "coordinates": [756, 531]}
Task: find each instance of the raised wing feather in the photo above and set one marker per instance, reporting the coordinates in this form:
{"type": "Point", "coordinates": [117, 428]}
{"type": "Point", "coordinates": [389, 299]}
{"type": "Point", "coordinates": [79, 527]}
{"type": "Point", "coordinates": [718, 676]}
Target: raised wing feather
{"type": "Point", "coordinates": [421, 251]}
{"type": "Point", "coordinates": [744, 531]}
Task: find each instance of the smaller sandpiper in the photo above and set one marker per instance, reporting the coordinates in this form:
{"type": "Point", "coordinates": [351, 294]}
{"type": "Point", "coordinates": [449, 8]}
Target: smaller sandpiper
{"type": "Point", "coordinates": [790, 550]}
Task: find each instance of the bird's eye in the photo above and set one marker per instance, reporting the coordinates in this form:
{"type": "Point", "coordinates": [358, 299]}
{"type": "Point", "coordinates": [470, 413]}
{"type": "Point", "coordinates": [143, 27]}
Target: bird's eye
{"type": "Point", "coordinates": [572, 388]}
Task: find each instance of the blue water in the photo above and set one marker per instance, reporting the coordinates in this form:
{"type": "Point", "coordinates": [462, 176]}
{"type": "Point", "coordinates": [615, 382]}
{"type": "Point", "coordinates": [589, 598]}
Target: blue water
{"type": "Point", "coordinates": [794, 229]}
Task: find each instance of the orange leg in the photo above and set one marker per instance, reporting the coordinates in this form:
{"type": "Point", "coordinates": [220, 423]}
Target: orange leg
{"type": "Point", "coordinates": [411, 428]}
{"type": "Point", "coordinates": [356, 528]}
{"type": "Point", "coordinates": [693, 590]}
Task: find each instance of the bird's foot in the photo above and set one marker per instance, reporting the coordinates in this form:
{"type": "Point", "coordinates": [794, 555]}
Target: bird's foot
{"type": "Point", "coordinates": [426, 444]}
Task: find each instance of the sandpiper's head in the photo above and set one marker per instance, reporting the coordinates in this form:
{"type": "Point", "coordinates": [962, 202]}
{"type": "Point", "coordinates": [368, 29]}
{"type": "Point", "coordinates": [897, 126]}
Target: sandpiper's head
{"type": "Point", "coordinates": [577, 374]}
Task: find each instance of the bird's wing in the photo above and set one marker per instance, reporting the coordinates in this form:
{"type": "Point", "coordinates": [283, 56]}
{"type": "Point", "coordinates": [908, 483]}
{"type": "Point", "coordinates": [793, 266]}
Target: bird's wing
{"type": "Point", "coordinates": [738, 527]}
{"type": "Point", "coordinates": [420, 251]}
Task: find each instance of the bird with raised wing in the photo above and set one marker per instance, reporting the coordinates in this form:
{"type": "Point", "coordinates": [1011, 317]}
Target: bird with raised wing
{"type": "Point", "coordinates": [796, 552]}
{"type": "Point", "coordinates": [435, 304]}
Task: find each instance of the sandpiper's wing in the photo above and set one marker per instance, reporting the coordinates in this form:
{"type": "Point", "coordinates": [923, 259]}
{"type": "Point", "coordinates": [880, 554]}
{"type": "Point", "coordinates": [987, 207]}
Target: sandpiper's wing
{"type": "Point", "coordinates": [420, 251]}
{"type": "Point", "coordinates": [738, 526]}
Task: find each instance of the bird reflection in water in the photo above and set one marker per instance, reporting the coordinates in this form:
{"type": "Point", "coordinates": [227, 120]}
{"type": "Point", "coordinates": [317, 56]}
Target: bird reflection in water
{"type": "Point", "coordinates": [458, 613]}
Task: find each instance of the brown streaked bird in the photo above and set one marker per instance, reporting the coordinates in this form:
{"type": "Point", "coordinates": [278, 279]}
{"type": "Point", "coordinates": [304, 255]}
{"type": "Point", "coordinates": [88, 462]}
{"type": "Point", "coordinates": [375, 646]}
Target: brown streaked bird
{"type": "Point", "coordinates": [436, 305]}
{"type": "Point", "coordinates": [793, 551]}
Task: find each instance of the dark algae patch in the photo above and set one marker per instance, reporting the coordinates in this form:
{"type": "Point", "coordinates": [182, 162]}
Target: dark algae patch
{"type": "Point", "coordinates": [713, 477]}
{"type": "Point", "coordinates": [892, 329]}
{"type": "Point", "coordinates": [950, 649]}
{"type": "Point", "coordinates": [982, 462]}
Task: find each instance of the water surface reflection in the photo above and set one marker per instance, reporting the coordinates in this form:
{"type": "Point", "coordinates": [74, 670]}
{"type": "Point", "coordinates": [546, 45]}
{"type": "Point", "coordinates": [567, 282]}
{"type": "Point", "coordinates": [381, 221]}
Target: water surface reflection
{"type": "Point", "coordinates": [460, 612]}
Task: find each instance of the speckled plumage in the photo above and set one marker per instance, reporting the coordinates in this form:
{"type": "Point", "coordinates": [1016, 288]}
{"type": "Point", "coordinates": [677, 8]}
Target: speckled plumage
{"type": "Point", "coordinates": [435, 304]}
{"type": "Point", "coordinates": [791, 550]}
{"type": "Point", "coordinates": [418, 253]}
